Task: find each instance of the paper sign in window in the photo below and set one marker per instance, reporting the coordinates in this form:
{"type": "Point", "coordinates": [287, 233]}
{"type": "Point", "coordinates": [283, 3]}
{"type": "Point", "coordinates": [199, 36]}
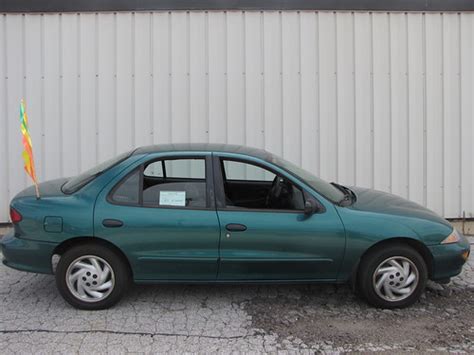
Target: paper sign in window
{"type": "Point", "coordinates": [173, 198]}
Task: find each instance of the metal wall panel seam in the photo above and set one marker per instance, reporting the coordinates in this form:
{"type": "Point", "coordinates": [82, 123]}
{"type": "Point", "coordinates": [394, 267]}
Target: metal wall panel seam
{"type": "Point", "coordinates": [460, 142]}
{"type": "Point", "coordinates": [60, 93]}
{"type": "Point", "coordinates": [390, 93]}
{"type": "Point", "coordinates": [318, 88]}
{"type": "Point", "coordinates": [132, 86]}
{"type": "Point", "coordinates": [23, 68]}
{"type": "Point", "coordinates": [354, 132]}
{"type": "Point", "coordinates": [443, 182]}
{"type": "Point", "coordinates": [11, 89]}
{"type": "Point", "coordinates": [170, 81]}
{"type": "Point", "coordinates": [150, 78]}
{"type": "Point", "coordinates": [336, 99]}
{"type": "Point", "coordinates": [472, 125]}
{"type": "Point", "coordinates": [372, 103]}
{"type": "Point", "coordinates": [461, 212]}
{"type": "Point", "coordinates": [262, 78]}
{"type": "Point", "coordinates": [244, 81]}
{"type": "Point", "coordinates": [79, 123]}
{"type": "Point", "coordinates": [226, 76]}
{"type": "Point", "coordinates": [4, 189]}
{"type": "Point", "coordinates": [425, 118]}
{"type": "Point", "coordinates": [115, 94]}
{"type": "Point", "coordinates": [96, 86]}
{"type": "Point", "coordinates": [43, 115]}
{"type": "Point", "coordinates": [5, 81]}
{"type": "Point", "coordinates": [188, 79]}
{"type": "Point", "coordinates": [282, 117]}
{"type": "Point", "coordinates": [208, 98]}
{"type": "Point", "coordinates": [407, 82]}
{"type": "Point", "coordinates": [300, 83]}
{"type": "Point", "coordinates": [451, 117]}
{"type": "Point", "coordinates": [470, 81]}
{"type": "Point", "coordinates": [263, 92]}
{"type": "Point", "coordinates": [3, 132]}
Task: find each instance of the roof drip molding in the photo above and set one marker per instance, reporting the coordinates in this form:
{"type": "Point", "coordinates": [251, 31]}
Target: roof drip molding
{"type": "Point", "coordinates": [43, 6]}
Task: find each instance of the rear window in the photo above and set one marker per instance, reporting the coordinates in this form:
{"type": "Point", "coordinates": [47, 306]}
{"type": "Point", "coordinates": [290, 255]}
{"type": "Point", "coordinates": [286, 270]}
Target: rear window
{"type": "Point", "coordinates": [76, 183]}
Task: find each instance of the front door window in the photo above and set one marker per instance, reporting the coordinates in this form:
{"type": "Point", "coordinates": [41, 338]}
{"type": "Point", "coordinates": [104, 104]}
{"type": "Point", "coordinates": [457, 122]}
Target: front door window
{"type": "Point", "coordinates": [250, 186]}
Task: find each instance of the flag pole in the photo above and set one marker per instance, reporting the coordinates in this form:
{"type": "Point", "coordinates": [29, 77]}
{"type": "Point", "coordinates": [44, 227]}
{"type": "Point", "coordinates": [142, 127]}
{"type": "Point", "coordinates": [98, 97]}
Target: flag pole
{"type": "Point", "coordinates": [37, 191]}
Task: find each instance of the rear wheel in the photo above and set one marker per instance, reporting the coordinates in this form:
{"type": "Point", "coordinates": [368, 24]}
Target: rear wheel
{"type": "Point", "coordinates": [91, 277]}
{"type": "Point", "coordinates": [392, 276]}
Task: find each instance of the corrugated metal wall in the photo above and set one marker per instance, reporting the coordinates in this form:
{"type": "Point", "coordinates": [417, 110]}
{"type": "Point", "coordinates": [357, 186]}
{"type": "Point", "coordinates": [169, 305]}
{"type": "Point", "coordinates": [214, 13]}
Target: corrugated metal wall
{"type": "Point", "coordinates": [382, 100]}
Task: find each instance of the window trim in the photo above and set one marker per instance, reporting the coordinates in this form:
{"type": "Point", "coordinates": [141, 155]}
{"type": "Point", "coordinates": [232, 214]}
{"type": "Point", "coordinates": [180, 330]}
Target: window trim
{"type": "Point", "coordinates": [220, 191]}
{"type": "Point", "coordinates": [208, 177]}
{"type": "Point", "coordinates": [224, 174]}
{"type": "Point", "coordinates": [122, 180]}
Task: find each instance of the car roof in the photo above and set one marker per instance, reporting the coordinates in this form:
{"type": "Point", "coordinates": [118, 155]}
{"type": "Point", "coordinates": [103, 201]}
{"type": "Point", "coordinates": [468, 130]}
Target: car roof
{"type": "Point", "coordinates": [204, 147]}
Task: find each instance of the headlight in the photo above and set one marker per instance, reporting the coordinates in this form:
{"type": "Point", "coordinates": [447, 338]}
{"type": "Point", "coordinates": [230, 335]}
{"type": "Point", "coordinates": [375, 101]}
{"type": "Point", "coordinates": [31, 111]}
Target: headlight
{"type": "Point", "coordinates": [454, 237]}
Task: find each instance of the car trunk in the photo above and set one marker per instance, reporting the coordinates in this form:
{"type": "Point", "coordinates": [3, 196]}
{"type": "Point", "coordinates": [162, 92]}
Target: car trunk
{"type": "Point", "coordinates": [46, 189]}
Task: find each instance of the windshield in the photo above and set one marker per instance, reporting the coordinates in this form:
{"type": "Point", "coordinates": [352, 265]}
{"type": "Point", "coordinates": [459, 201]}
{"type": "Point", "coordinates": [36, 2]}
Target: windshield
{"type": "Point", "coordinates": [324, 188]}
{"type": "Point", "coordinates": [79, 181]}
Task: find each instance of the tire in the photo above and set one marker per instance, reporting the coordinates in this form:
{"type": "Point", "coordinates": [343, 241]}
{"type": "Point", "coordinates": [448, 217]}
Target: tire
{"type": "Point", "coordinates": [92, 277]}
{"type": "Point", "coordinates": [399, 287]}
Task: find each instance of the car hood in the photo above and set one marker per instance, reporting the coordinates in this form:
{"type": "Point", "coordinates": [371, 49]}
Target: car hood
{"type": "Point", "coordinates": [369, 200]}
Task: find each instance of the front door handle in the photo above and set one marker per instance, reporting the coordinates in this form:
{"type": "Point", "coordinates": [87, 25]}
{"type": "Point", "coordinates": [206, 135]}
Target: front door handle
{"type": "Point", "coordinates": [235, 227]}
{"type": "Point", "coordinates": [112, 223]}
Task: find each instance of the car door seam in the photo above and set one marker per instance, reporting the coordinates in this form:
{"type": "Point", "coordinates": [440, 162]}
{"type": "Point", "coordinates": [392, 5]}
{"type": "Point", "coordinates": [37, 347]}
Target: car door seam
{"type": "Point", "coordinates": [345, 244]}
{"type": "Point", "coordinates": [217, 215]}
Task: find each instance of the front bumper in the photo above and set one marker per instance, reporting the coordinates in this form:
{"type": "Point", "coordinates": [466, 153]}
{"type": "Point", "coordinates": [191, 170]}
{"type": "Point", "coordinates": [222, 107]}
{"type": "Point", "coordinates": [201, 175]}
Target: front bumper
{"type": "Point", "coordinates": [27, 255]}
{"type": "Point", "coordinates": [448, 259]}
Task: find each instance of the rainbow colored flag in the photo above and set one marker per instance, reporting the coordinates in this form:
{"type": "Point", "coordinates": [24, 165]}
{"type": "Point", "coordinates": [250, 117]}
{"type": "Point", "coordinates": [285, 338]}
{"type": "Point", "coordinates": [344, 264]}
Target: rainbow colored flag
{"type": "Point", "coordinates": [28, 152]}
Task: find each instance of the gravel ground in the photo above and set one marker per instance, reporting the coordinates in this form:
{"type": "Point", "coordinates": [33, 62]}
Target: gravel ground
{"type": "Point", "coordinates": [302, 318]}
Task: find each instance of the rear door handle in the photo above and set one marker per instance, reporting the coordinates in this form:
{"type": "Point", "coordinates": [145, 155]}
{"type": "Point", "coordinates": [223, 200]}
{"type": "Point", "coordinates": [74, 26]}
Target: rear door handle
{"type": "Point", "coordinates": [235, 227]}
{"type": "Point", "coordinates": [112, 223]}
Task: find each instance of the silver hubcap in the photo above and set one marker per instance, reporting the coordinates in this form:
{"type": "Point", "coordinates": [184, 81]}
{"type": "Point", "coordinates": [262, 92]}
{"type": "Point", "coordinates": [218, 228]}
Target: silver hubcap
{"type": "Point", "coordinates": [395, 278]}
{"type": "Point", "coordinates": [90, 278]}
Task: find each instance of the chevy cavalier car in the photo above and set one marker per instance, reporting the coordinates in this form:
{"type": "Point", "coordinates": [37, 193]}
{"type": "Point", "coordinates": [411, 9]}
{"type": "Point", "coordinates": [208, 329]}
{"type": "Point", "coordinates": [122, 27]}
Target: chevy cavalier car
{"type": "Point", "coordinates": [212, 213]}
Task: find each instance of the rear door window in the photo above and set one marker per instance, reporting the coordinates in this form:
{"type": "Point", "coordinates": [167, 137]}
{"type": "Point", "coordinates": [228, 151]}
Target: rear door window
{"type": "Point", "coordinates": [179, 182]}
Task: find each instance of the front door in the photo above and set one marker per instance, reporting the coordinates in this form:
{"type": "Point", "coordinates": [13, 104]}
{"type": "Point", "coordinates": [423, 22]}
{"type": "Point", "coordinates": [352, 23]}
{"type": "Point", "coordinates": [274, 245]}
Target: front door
{"type": "Point", "coordinates": [162, 216]}
{"type": "Point", "coordinates": [264, 232]}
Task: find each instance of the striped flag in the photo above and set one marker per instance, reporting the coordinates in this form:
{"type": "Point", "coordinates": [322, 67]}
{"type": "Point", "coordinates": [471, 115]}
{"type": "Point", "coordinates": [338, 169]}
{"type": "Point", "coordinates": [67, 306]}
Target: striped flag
{"type": "Point", "coordinates": [28, 152]}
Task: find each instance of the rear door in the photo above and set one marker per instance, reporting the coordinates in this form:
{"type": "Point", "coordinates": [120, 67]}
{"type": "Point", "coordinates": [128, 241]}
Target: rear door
{"type": "Point", "coordinates": [162, 215]}
{"type": "Point", "coordinates": [265, 241]}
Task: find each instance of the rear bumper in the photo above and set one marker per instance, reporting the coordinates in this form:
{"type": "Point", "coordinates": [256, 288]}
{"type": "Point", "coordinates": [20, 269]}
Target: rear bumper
{"type": "Point", "coordinates": [27, 255]}
{"type": "Point", "coordinates": [448, 259]}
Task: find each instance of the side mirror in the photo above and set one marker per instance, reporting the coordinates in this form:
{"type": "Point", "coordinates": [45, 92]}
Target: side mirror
{"type": "Point", "coordinates": [310, 208]}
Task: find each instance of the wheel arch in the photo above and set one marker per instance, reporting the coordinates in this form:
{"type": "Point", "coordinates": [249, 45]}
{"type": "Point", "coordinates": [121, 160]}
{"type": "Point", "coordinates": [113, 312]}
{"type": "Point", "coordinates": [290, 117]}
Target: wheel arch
{"type": "Point", "coordinates": [421, 248]}
{"type": "Point", "coordinates": [69, 243]}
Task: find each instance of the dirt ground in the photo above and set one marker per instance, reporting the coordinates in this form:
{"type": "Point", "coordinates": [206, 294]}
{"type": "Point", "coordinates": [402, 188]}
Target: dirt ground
{"type": "Point", "coordinates": [443, 320]}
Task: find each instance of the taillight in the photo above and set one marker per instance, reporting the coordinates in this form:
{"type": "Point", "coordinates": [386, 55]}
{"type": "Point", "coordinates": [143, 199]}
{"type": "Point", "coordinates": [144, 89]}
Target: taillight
{"type": "Point", "coordinates": [15, 216]}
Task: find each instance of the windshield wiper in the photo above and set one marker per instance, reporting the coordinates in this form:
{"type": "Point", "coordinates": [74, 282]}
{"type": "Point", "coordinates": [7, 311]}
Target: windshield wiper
{"type": "Point", "coordinates": [349, 195]}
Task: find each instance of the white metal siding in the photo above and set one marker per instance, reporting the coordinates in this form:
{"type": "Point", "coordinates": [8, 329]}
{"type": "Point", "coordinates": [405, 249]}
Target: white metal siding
{"type": "Point", "coordinates": [382, 100]}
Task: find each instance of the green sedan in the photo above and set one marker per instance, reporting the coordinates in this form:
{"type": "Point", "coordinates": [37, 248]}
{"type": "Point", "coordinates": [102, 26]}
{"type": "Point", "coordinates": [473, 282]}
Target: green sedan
{"type": "Point", "coordinates": [216, 213]}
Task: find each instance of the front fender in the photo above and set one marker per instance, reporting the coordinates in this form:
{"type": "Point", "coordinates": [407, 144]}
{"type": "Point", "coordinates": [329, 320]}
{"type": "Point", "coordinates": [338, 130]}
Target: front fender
{"type": "Point", "coordinates": [365, 229]}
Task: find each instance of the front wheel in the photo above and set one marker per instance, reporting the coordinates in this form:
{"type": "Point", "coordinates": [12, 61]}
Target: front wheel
{"type": "Point", "coordinates": [393, 276]}
{"type": "Point", "coordinates": [91, 277]}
